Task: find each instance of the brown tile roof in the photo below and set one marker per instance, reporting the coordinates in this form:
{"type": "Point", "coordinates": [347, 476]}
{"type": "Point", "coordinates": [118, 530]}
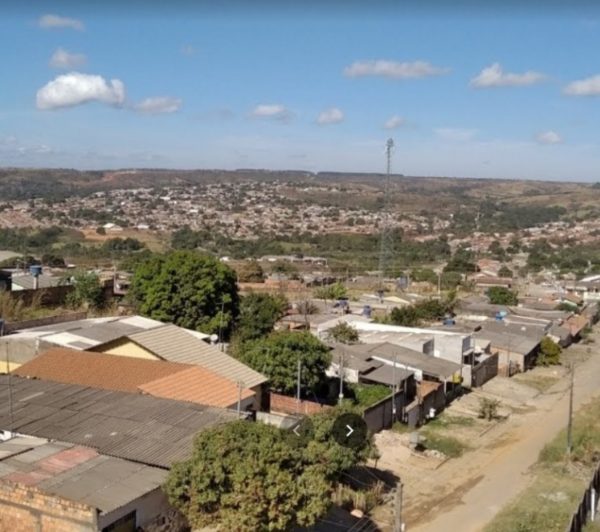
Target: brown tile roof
{"type": "Point", "coordinates": [197, 385]}
{"type": "Point", "coordinates": [97, 370]}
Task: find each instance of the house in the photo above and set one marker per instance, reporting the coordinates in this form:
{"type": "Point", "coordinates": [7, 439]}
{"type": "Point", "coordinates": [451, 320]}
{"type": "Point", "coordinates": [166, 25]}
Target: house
{"type": "Point", "coordinates": [516, 352]}
{"type": "Point", "coordinates": [175, 344]}
{"type": "Point", "coordinates": [136, 427]}
{"type": "Point", "coordinates": [61, 486]}
{"type": "Point", "coordinates": [169, 380]}
{"type": "Point", "coordinates": [576, 324]}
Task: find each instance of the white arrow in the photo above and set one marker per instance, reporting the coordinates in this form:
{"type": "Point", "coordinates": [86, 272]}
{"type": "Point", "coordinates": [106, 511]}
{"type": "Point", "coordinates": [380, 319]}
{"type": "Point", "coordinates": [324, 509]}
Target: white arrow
{"type": "Point", "coordinates": [295, 431]}
{"type": "Point", "coordinates": [350, 430]}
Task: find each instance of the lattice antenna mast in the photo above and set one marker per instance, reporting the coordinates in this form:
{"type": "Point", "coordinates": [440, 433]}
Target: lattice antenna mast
{"type": "Point", "coordinates": [385, 251]}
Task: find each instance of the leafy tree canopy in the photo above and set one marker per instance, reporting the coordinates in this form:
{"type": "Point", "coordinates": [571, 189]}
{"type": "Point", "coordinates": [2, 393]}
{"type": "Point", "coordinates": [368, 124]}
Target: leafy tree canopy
{"type": "Point", "coordinates": [258, 315]}
{"type": "Point", "coordinates": [277, 355]}
{"type": "Point", "coordinates": [332, 291]}
{"type": "Point", "coordinates": [250, 271]}
{"type": "Point", "coordinates": [344, 333]}
{"type": "Point", "coordinates": [499, 295]}
{"type": "Point", "coordinates": [87, 291]}
{"type": "Point", "coordinates": [549, 352]}
{"type": "Point", "coordinates": [189, 289]}
{"type": "Point", "coordinates": [504, 271]}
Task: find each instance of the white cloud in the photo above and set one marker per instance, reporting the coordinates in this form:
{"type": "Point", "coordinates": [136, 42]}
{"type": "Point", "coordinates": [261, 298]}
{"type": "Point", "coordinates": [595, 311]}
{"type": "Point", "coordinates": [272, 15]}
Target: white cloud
{"type": "Point", "coordinates": [55, 21]}
{"type": "Point", "coordinates": [494, 76]}
{"type": "Point", "coordinates": [158, 104]}
{"type": "Point", "coordinates": [274, 111]}
{"type": "Point", "coordinates": [394, 122]}
{"type": "Point", "coordinates": [61, 58]}
{"type": "Point", "coordinates": [393, 69]}
{"type": "Point", "coordinates": [333, 115]}
{"type": "Point", "coordinates": [584, 87]}
{"type": "Point", "coordinates": [548, 137]}
{"type": "Point", "coordinates": [455, 134]}
{"type": "Point", "coordinates": [75, 88]}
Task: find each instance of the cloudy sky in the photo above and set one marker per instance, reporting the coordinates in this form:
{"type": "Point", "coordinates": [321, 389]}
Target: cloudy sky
{"type": "Point", "coordinates": [511, 92]}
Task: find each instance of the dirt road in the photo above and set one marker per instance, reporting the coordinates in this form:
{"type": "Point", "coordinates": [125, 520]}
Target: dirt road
{"type": "Point", "coordinates": [491, 477]}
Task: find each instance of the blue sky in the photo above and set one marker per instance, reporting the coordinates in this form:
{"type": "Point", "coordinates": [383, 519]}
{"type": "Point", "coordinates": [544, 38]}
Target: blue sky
{"type": "Point", "coordinates": [464, 92]}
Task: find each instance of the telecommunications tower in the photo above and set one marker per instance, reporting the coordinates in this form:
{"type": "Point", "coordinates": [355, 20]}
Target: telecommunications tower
{"type": "Point", "coordinates": [386, 243]}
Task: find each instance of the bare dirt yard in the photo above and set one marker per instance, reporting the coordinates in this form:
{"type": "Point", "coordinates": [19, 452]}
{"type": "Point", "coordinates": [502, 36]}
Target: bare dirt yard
{"type": "Point", "coordinates": [478, 466]}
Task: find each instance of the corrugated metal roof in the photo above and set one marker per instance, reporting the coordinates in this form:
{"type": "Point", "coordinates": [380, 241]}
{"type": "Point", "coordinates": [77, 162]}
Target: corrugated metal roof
{"type": "Point", "coordinates": [174, 344]}
{"type": "Point", "coordinates": [387, 375]}
{"type": "Point", "coordinates": [77, 473]}
{"type": "Point", "coordinates": [97, 369]}
{"type": "Point", "coordinates": [135, 427]}
{"type": "Point", "coordinates": [198, 385]}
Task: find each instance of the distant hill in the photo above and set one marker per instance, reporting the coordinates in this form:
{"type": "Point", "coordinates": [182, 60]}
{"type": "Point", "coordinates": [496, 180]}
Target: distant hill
{"type": "Point", "coordinates": [407, 192]}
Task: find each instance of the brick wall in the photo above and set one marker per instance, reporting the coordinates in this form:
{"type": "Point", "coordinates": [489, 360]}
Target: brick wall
{"type": "Point", "coordinates": [289, 405]}
{"type": "Point", "coordinates": [27, 509]}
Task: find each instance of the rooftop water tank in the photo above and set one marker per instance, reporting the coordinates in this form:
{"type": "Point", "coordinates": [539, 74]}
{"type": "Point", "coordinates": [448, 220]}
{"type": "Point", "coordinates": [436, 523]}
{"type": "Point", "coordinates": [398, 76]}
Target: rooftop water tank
{"type": "Point", "coordinates": [35, 270]}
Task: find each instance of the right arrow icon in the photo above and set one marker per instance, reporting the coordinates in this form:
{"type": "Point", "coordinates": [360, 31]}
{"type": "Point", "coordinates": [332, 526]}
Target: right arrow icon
{"type": "Point", "coordinates": [350, 430]}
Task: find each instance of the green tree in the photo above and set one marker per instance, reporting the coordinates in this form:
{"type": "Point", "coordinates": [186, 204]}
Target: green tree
{"type": "Point", "coordinates": [250, 271]}
{"type": "Point", "coordinates": [332, 291]}
{"type": "Point", "coordinates": [247, 477]}
{"type": "Point", "coordinates": [277, 355]}
{"type": "Point", "coordinates": [344, 333]}
{"type": "Point", "coordinates": [258, 315]}
{"type": "Point", "coordinates": [87, 291]}
{"type": "Point", "coordinates": [504, 271]}
{"type": "Point", "coordinates": [53, 261]}
{"type": "Point", "coordinates": [100, 230]}
{"type": "Point", "coordinates": [189, 289]}
{"type": "Point", "coordinates": [549, 352]}
{"type": "Point", "coordinates": [499, 295]}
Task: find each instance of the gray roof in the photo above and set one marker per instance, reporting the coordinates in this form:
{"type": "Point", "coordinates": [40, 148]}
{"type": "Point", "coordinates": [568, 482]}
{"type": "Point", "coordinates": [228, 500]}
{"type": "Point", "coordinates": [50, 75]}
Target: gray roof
{"type": "Point", "coordinates": [353, 359]}
{"type": "Point", "coordinates": [508, 341]}
{"type": "Point", "coordinates": [387, 375]}
{"type": "Point", "coordinates": [175, 344]}
{"type": "Point", "coordinates": [79, 473]}
{"type": "Point", "coordinates": [131, 426]}
{"type": "Point", "coordinates": [531, 331]}
{"type": "Point", "coordinates": [430, 365]}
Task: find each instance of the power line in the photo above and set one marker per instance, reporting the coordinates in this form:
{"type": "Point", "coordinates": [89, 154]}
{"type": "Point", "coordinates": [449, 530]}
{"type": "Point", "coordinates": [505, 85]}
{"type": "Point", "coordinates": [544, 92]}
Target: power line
{"type": "Point", "coordinates": [386, 244]}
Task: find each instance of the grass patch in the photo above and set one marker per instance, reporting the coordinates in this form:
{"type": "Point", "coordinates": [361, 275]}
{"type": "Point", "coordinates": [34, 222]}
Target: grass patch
{"type": "Point", "coordinates": [366, 395]}
{"type": "Point", "coordinates": [450, 446]}
{"type": "Point", "coordinates": [402, 428]}
{"type": "Point", "coordinates": [540, 382]}
{"type": "Point", "coordinates": [548, 504]}
{"type": "Point", "coordinates": [447, 420]}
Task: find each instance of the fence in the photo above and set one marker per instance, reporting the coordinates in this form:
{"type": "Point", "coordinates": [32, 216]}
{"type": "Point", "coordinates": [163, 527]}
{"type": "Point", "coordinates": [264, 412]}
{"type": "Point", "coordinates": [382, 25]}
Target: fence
{"type": "Point", "coordinates": [587, 507]}
{"type": "Point", "coordinates": [381, 415]}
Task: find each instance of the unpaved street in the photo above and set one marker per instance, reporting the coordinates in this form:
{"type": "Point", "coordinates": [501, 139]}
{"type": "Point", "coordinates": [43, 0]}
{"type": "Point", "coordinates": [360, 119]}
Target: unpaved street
{"type": "Point", "coordinates": [465, 493]}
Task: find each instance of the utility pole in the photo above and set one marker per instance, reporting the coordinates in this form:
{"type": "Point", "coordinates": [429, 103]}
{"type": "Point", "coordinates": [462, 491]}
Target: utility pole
{"type": "Point", "coordinates": [570, 422]}
{"type": "Point", "coordinates": [341, 371]}
{"type": "Point", "coordinates": [394, 389]}
{"type": "Point", "coordinates": [239, 401]}
{"type": "Point", "coordinates": [398, 525]}
{"type": "Point", "coordinates": [298, 385]}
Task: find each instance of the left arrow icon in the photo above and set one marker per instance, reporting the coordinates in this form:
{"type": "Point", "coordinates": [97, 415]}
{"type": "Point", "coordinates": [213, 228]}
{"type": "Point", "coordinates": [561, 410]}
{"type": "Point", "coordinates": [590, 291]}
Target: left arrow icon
{"type": "Point", "coordinates": [295, 431]}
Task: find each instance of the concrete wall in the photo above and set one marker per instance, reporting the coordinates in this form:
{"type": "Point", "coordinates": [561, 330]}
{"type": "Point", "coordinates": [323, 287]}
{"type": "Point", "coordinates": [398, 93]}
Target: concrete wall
{"type": "Point", "coordinates": [27, 509]}
{"type": "Point", "coordinates": [289, 405]}
{"type": "Point", "coordinates": [50, 320]}
{"type": "Point", "coordinates": [484, 371]}
{"type": "Point", "coordinates": [147, 508]}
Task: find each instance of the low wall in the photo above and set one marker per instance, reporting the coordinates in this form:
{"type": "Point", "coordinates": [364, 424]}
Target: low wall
{"type": "Point", "coordinates": [381, 416]}
{"type": "Point", "coordinates": [40, 322]}
{"type": "Point", "coordinates": [484, 371]}
{"type": "Point", "coordinates": [290, 405]}
{"type": "Point", "coordinates": [24, 509]}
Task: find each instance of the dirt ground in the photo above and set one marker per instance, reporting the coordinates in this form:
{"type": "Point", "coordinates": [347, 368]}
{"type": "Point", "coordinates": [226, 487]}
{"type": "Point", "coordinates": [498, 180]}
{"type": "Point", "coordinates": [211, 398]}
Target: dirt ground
{"type": "Point", "coordinates": [464, 493]}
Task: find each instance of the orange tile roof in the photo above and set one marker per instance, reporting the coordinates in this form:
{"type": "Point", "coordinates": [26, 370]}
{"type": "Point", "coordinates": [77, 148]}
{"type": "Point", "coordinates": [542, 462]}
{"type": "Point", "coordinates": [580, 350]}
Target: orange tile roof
{"type": "Point", "coordinates": [197, 385]}
{"type": "Point", "coordinates": [97, 370]}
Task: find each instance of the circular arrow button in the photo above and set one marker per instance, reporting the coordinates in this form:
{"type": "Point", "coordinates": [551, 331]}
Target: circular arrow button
{"type": "Point", "coordinates": [350, 430]}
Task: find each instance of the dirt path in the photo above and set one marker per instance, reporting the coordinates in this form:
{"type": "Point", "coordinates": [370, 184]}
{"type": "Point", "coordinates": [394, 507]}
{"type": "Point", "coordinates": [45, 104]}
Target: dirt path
{"type": "Point", "coordinates": [477, 485]}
